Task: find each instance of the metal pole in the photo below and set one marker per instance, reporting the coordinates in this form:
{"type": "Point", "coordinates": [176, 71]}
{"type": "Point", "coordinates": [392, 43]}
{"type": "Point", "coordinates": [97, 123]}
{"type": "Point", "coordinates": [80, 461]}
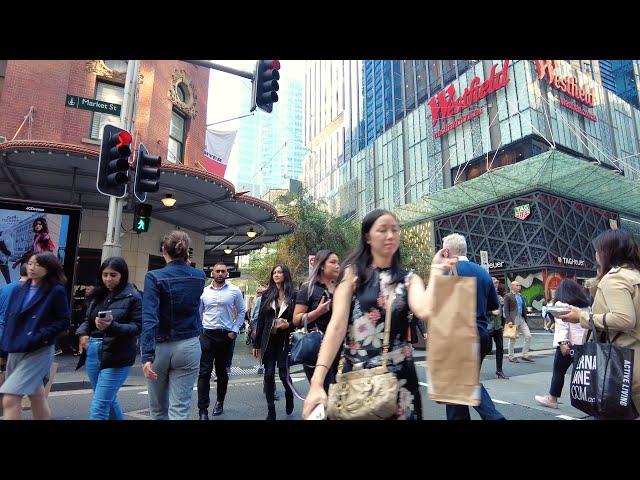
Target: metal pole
{"type": "Point", "coordinates": [111, 246]}
{"type": "Point", "coordinates": [222, 68]}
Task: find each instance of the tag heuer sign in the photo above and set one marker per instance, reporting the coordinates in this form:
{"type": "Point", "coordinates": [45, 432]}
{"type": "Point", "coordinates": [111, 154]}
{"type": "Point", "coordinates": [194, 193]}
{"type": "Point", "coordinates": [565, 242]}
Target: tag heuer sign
{"type": "Point", "coordinates": [522, 211]}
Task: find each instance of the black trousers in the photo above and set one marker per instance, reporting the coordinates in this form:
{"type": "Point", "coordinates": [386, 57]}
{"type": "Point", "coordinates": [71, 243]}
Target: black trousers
{"type": "Point", "coordinates": [275, 354]}
{"type": "Point", "coordinates": [216, 348]}
{"type": "Point", "coordinates": [5, 273]}
{"type": "Point", "coordinates": [496, 335]}
{"type": "Point", "coordinates": [561, 364]}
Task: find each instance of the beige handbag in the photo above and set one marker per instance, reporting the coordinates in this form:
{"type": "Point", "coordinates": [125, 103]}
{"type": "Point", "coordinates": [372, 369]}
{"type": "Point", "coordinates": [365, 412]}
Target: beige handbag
{"type": "Point", "coordinates": [510, 331]}
{"type": "Point", "coordinates": [368, 394]}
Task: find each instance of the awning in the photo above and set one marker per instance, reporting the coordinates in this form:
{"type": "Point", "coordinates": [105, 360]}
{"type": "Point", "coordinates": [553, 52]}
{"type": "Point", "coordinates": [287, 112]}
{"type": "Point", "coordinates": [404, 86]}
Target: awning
{"type": "Point", "coordinates": [205, 203]}
{"type": "Point", "coordinates": [553, 172]}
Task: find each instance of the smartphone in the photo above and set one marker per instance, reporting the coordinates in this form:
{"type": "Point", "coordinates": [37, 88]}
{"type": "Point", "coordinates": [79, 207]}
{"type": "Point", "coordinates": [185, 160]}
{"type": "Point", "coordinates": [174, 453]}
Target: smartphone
{"type": "Point", "coordinates": [104, 314]}
{"type": "Point", "coordinates": [317, 413]}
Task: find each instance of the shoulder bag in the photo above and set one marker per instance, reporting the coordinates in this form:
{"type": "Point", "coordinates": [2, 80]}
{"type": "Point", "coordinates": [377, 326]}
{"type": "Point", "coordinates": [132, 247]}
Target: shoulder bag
{"type": "Point", "coordinates": [305, 345]}
{"type": "Point", "coordinates": [368, 394]}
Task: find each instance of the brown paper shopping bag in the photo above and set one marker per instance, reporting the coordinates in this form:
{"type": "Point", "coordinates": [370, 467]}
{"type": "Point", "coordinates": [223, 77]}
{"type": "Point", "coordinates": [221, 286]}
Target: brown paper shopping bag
{"type": "Point", "coordinates": [26, 404]}
{"type": "Point", "coordinates": [453, 347]}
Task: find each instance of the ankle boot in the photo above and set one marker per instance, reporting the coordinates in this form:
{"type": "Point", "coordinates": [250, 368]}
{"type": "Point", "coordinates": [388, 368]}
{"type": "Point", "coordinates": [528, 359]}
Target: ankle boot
{"type": "Point", "coordinates": [271, 414]}
{"type": "Point", "coordinates": [289, 404]}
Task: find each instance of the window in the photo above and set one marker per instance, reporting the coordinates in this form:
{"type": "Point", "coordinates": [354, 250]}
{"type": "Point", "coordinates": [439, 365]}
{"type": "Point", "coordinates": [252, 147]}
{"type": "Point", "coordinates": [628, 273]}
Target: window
{"type": "Point", "coordinates": [107, 92]}
{"type": "Point", "coordinates": [176, 138]}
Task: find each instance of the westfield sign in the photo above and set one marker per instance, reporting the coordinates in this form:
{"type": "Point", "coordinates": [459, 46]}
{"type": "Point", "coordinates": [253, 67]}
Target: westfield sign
{"type": "Point", "coordinates": [568, 84]}
{"type": "Point", "coordinates": [445, 104]}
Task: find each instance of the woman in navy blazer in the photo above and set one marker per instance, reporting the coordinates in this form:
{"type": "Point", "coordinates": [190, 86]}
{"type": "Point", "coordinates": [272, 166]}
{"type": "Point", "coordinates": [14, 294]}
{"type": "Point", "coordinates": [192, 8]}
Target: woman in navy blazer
{"type": "Point", "coordinates": [37, 313]}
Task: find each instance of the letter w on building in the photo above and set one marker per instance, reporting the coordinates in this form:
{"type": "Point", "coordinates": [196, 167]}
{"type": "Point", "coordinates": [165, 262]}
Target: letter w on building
{"type": "Point", "coordinates": [546, 67]}
{"type": "Point", "coordinates": [217, 151]}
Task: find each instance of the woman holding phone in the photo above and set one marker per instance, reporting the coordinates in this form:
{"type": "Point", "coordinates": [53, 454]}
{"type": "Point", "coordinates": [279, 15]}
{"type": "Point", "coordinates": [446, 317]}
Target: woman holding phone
{"type": "Point", "coordinates": [108, 334]}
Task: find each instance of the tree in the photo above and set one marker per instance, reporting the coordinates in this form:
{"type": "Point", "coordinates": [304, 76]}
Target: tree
{"type": "Point", "coordinates": [316, 229]}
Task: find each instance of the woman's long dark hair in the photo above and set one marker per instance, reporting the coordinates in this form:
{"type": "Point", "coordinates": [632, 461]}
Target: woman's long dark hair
{"type": "Point", "coordinates": [271, 293]}
{"type": "Point", "coordinates": [43, 221]}
{"type": "Point", "coordinates": [570, 292]}
{"type": "Point", "coordinates": [119, 265]}
{"type": "Point", "coordinates": [321, 258]}
{"type": "Point", "coordinates": [360, 259]}
{"type": "Point", "coordinates": [55, 273]}
{"type": "Point", "coordinates": [615, 249]}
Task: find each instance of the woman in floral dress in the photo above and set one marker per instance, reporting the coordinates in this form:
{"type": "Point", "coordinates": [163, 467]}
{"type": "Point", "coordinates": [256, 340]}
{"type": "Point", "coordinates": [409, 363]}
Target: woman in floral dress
{"type": "Point", "coordinates": [359, 309]}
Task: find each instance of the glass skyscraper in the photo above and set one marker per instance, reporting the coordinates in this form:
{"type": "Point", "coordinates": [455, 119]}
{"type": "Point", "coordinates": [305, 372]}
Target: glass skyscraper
{"type": "Point", "coordinates": [270, 149]}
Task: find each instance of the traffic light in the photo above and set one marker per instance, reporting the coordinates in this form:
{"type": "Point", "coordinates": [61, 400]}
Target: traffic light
{"type": "Point", "coordinates": [147, 173]}
{"type": "Point", "coordinates": [265, 85]}
{"type": "Point", "coordinates": [142, 217]}
{"type": "Point", "coordinates": [113, 165]}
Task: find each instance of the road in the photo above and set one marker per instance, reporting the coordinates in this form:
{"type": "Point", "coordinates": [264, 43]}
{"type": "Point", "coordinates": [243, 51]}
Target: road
{"type": "Point", "coordinates": [71, 394]}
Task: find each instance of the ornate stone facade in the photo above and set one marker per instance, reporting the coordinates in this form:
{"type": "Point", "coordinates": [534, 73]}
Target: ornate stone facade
{"type": "Point", "coordinates": [180, 80]}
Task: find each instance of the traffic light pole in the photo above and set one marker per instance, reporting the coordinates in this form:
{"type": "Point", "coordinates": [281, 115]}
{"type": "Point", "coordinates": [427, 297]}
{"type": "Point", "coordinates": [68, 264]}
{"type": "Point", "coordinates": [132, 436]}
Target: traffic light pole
{"type": "Point", "coordinates": [222, 68]}
{"type": "Point", "coordinates": [111, 246]}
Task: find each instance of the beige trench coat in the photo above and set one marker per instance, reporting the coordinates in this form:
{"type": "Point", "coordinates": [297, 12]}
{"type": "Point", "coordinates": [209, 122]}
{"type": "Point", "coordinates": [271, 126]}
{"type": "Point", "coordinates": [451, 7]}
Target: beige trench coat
{"type": "Point", "coordinates": [618, 295]}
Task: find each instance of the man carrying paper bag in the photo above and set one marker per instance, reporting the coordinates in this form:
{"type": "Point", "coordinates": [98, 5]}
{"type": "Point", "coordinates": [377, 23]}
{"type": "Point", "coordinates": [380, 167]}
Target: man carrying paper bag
{"type": "Point", "coordinates": [458, 339]}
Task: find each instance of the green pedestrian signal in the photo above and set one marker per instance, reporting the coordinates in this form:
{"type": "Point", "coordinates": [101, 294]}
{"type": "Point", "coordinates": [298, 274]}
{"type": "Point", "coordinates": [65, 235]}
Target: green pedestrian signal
{"type": "Point", "coordinates": [142, 217]}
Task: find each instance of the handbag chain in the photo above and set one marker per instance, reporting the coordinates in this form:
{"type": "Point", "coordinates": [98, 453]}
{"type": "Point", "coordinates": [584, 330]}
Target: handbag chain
{"type": "Point", "coordinates": [387, 330]}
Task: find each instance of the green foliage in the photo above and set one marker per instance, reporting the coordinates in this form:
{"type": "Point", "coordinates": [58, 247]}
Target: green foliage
{"type": "Point", "coordinates": [316, 229]}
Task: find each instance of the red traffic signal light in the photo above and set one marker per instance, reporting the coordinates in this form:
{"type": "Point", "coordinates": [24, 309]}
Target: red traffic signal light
{"type": "Point", "coordinates": [265, 85]}
{"type": "Point", "coordinates": [113, 165]}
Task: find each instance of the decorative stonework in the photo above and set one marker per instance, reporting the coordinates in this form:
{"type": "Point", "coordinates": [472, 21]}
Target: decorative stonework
{"type": "Point", "coordinates": [181, 79]}
{"type": "Point", "coordinates": [101, 70]}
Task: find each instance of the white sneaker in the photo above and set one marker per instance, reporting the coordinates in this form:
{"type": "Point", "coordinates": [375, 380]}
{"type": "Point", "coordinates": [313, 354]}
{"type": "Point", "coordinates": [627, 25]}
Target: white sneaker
{"type": "Point", "coordinates": [546, 401]}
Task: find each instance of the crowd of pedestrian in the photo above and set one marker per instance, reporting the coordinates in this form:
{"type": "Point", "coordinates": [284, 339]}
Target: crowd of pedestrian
{"type": "Point", "coordinates": [369, 309]}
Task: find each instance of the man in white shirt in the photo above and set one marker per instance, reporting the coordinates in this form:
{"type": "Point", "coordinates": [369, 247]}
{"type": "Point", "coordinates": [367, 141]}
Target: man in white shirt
{"type": "Point", "coordinates": [219, 330]}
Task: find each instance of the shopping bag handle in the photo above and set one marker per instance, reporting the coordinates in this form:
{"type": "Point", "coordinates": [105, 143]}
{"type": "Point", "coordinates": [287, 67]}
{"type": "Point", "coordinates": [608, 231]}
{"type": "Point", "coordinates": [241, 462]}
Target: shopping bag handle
{"type": "Point", "coordinates": [592, 329]}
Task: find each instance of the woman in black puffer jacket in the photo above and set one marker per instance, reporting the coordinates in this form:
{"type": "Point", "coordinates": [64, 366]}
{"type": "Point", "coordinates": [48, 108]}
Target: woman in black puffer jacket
{"type": "Point", "coordinates": [110, 338]}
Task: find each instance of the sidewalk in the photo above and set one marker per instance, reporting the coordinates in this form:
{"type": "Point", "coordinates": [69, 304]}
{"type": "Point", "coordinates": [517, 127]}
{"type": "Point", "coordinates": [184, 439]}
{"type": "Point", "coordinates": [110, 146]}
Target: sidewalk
{"type": "Point", "coordinates": [244, 364]}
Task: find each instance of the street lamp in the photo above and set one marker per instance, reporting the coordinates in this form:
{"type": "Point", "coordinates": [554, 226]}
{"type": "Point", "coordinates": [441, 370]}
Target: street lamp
{"type": "Point", "coordinates": [168, 200]}
{"type": "Point", "coordinates": [228, 250]}
{"type": "Point", "coordinates": [251, 233]}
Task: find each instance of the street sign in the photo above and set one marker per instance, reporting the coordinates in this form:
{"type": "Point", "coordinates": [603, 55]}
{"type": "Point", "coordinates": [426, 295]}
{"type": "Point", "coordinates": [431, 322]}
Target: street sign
{"type": "Point", "coordinates": [74, 101]}
{"type": "Point", "coordinates": [484, 259]}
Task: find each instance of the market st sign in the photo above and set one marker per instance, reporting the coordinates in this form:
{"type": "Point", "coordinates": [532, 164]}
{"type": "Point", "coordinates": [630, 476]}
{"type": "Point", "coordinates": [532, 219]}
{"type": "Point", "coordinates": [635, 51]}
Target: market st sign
{"type": "Point", "coordinates": [568, 84]}
{"type": "Point", "coordinates": [445, 104]}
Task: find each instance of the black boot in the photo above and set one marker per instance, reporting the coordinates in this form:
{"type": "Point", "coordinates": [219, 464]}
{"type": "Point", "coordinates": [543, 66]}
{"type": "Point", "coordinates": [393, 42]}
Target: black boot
{"type": "Point", "coordinates": [289, 399]}
{"type": "Point", "coordinates": [203, 415]}
{"type": "Point", "coordinates": [271, 414]}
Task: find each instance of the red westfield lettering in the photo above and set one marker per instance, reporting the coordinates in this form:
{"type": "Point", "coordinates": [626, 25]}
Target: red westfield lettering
{"type": "Point", "coordinates": [444, 104]}
{"type": "Point", "coordinates": [568, 84]}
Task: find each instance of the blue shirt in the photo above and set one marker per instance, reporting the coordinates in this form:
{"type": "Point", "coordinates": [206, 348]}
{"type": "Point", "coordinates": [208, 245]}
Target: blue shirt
{"type": "Point", "coordinates": [520, 302]}
{"type": "Point", "coordinates": [217, 305]}
{"type": "Point", "coordinates": [486, 295]}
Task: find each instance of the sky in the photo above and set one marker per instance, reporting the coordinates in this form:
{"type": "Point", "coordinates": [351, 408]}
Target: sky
{"type": "Point", "coordinates": [229, 97]}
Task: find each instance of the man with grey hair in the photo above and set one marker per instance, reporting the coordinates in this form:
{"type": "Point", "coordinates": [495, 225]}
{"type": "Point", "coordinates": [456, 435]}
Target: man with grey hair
{"type": "Point", "coordinates": [487, 300]}
{"type": "Point", "coordinates": [515, 313]}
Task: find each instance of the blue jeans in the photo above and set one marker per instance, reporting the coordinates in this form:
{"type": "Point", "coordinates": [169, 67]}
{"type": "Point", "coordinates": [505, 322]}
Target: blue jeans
{"type": "Point", "coordinates": [105, 384]}
{"type": "Point", "coordinates": [486, 409]}
{"type": "Point", "coordinates": [176, 364]}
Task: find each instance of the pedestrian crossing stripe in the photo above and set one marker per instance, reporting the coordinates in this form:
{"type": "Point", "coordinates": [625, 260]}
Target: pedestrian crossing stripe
{"type": "Point", "coordinates": [567, 417]}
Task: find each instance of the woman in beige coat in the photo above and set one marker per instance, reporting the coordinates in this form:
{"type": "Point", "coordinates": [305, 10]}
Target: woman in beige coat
{"type": "Point", "coordinates": [617, 294]}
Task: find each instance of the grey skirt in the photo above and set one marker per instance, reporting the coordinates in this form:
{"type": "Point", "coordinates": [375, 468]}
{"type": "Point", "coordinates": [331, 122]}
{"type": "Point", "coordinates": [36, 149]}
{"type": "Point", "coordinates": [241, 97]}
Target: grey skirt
{"type": "Point", "coordinates": [26, 372]}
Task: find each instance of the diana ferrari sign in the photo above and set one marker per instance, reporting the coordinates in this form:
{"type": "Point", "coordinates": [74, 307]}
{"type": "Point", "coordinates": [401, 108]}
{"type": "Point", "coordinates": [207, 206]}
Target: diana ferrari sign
{"type": "Point", "coordinates": [445, 104]}
{"type": "Point", "coordinates": [568, 85]}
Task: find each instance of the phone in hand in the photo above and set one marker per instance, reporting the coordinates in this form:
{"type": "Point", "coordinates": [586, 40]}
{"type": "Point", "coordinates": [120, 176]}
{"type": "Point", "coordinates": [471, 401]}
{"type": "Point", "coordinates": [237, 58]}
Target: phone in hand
{"type": "Point", "coordinates": [104, 315]}
{"type": "Point", "coordinates": [317, 413]}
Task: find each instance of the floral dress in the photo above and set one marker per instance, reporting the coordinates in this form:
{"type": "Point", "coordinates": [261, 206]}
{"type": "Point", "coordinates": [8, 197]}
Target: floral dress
{"type": "Point", "coordinates": [365, 335]}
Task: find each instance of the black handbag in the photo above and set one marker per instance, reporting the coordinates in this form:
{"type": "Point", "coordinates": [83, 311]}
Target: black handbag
{"type": "Point", "coordinates": [305, 346]}
{"type": "Point", "coordinates": [602, 378]}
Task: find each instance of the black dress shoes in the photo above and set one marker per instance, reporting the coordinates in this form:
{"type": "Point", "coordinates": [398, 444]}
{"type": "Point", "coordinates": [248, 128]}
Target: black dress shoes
{"type": "Point", "coordinates": [203, 415]}
{"type": "Point", "coordinates": [218, 409]}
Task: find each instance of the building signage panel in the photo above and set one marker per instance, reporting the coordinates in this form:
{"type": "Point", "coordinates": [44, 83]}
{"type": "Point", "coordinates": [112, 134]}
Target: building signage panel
{"type": "Point", "coordinates": [568, 85]}
{"type": "Point", "coordinates": [493, 265]}
{"type": "Point", "coordinates": [74, 101]}
{"type": "Point", "coordinates": [570, 261]}
{"type": "Point", "coordinates": [522, 211]}
{"type": "Point", "coordinates": [445, 104]}
{"type": "Point", "coordinates": [484, 259]}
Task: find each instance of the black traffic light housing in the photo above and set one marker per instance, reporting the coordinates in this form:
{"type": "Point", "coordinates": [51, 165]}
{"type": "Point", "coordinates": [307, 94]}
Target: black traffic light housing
{"type": "Point", "coordinates": [142, 217]}
{"type": "Point", "coordinates": [113, 164]}
{"type": "Point", "coordinates": [147, 173]}
{"type": "Point", "coordinates": [265, 85]}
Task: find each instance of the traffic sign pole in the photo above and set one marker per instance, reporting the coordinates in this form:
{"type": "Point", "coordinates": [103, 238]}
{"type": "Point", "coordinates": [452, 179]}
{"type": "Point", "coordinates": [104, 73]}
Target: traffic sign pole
{"type": "Point", "coordinates": [111, 246]}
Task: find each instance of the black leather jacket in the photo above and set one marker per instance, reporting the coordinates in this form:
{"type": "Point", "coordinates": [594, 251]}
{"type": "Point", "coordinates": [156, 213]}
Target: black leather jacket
{"type": "Point", "coordinates": [119, 344]}
{"type": "Point", "coordinates": [266, 316]}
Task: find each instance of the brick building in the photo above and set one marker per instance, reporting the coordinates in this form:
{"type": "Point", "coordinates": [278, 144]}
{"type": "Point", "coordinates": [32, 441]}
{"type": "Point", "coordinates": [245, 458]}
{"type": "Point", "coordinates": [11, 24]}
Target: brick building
{"type": "Point", "coordinates": [49, 152]}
